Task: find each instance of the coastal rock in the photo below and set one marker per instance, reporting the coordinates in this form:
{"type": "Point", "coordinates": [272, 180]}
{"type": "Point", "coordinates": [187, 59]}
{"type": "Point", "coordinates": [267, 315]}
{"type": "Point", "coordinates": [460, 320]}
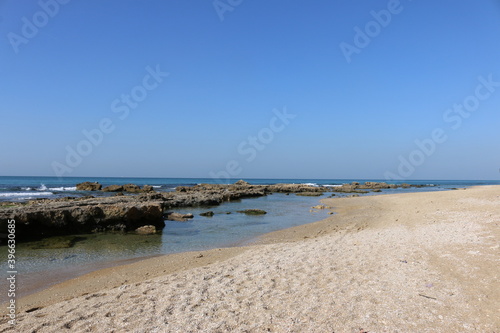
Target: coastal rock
{"type": "Point", "coordinates": [253, 211]}
{"type": "Point", "coordinates": [207, 214]}
{"type": "Point", "coordinates": [88, 186]}
{"type": "Point", "coordinates": [146, 230]}
{"type": "Point", "coordinates": [55, 218]}
{"type": "Point", "coordinates": [251, 189]}
{"type": "Point", "coordinates": [113, 188]}
{"type": "Point", "coordinates": [131, 188]}
{"type": "Point", "coordinates": [147, 188]}
{"type": "Point", "coordinates": [319, 207]}
{"type": "Point", "coordinates": [171, 216]}
{"type": "Point", "coordinates": [355, 187]}
{"type": "Point", "coordinates": [241, 182]}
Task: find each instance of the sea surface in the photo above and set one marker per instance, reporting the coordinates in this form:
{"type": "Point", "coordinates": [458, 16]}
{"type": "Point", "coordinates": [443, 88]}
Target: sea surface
{"type": "Point", "coordinates": [225, 228]}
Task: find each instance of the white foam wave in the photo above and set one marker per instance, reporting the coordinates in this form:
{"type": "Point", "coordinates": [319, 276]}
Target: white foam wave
{"type": "Point", "coordinates": [42, 188]}
{"type": "Point", "coordinates": [156, 186]}
{"type": "Point", "coordinates": [24, 194]}
{"type": "Point", "coordinates": [310, 184]}
{"type": "Point", "coordinates": [63, 188]}
{"type": "Point", "coordinates": [332, 185]}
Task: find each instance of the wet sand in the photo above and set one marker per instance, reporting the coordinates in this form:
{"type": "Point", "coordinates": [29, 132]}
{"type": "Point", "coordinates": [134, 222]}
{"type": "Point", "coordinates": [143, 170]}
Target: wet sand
{"type": "Point", "coordinates": [417, 262]}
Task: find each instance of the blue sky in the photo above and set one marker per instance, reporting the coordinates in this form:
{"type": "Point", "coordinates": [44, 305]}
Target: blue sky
{"type": "Point", "coordinates": [236, 69]}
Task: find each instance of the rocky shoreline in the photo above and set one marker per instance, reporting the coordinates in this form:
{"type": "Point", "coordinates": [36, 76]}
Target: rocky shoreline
{"type": "Point", "coordinates": [37, 219]}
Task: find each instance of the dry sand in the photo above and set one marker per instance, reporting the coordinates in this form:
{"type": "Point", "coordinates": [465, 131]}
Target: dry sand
{"type": "Point", "coordinates": [419, 262]}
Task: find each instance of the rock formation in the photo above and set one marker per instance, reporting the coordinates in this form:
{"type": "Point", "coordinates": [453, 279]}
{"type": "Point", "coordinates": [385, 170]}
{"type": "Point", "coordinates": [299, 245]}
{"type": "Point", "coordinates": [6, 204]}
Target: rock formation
{"type": "Point", "coordinates": [89, 186]}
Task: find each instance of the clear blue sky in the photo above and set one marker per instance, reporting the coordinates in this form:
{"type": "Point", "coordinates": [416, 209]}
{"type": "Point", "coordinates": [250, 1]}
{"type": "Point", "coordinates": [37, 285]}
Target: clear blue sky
{"type": "Point", "coordinates": [354, 119]}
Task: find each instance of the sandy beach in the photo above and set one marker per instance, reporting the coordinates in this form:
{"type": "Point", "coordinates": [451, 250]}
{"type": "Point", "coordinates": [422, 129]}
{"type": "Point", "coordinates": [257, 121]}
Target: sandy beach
{"type": "Point", "coordinates": [417, 262]}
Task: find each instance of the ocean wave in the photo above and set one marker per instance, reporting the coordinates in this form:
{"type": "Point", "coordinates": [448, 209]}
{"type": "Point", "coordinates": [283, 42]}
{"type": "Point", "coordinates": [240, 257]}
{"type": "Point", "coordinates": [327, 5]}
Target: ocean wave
{"type": "Point", "coordinates": [310, 184]}
{"type": "Point", "coordinates": [63, 188]}
{"type": "Point", "coordinates": [24, 194]}
{"type": "Point", "coordinates": [157, 186]}
{"type": "Point", "coordinates": [332, 185]}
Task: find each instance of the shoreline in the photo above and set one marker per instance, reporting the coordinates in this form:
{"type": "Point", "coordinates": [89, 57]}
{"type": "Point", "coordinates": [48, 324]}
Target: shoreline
{"type": "Point", "coordinates": [82, 272]}
{"type": "Point", "coordinates": [355, 217]}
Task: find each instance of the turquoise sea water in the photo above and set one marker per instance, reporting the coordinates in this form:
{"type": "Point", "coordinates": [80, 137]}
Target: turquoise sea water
{"type": "Point", "coordinates": [200, 233]}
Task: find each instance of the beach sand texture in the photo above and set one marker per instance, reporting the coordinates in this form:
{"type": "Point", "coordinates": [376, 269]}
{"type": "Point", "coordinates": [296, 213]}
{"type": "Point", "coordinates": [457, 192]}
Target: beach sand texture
{"type": "Point", "coordinates": [418, 262]}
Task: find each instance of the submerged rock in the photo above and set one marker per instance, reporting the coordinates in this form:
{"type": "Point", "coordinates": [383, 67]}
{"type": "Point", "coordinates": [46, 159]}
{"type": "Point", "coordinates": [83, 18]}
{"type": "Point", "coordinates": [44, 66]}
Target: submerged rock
{"type": "Point", "coordinates": [146, 230]}
{"type": "Point", "coordinates": [208, 214]}
{"type": "Point", "coordinates": [63, 242]}
{"type": "Point", "coordinates": [253, 211]}
{"type": "Point", "coordinates": [171, 216]}
{"type": "Point", "coordinates": [320, 207]}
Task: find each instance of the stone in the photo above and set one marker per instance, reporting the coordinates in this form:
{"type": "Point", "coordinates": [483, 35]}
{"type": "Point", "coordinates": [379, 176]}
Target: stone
{"type": "Point", "coordinates": [147, 189]}
{"type": "Point", "coordinates": [146, 230]}
{"type": "Point", "coordinates": [113, 188]}
{"type": "Point", "coordinates": [207, 214]}
{"type": "Point", "coordinates": [88, 186]}
{"type": "Point", "coordinates": [241, 182]}
{"type": "Point", "coordinates": [253, 211]}
{"type": "Point", "coordinates": [319, 207]}
{"type": "Point", "coordinates": [131, 188]}
{"type": "Point", "coordinates": [171, 216]}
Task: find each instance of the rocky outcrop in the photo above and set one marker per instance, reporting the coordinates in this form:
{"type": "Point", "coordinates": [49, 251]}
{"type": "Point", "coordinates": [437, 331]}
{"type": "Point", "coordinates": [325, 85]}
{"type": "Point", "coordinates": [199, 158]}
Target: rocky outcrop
{"type": "Point", "coordinates": [147, 188]}
{"type": "Point", "coordinates": [243, 186]}
{"type": "Point", "coordinates": [39, 219]}
{"type": "Point", "coordinates": [89, 186]}
{"type": "Point", "coordinates": [113, 188]}
{"type": "Point", "coordinates": [130, 188]}
{"type": "Point", "coordinates": [241, 182]}
{"type": "Point", "coordinates": [356, 187]}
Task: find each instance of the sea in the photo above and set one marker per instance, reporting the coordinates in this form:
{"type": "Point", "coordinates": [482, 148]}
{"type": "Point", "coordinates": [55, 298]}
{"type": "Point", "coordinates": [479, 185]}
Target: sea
{"type": "Point", "coordinates": [226, 228]}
